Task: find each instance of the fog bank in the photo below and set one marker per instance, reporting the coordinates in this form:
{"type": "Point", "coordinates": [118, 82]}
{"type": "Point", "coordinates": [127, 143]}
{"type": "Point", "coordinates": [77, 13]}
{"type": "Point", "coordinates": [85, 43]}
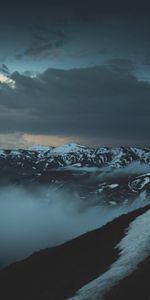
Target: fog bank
{"type": "Point", "coordinates": [30, 221]}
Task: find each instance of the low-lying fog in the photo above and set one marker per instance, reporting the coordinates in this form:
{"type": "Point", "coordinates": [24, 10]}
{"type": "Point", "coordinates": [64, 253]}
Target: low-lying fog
{"type": "Point", "coordinates": [30, 221]}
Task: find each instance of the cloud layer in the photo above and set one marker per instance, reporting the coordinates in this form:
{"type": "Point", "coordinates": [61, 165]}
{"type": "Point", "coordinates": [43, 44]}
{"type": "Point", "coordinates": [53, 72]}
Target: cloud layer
{"type": "Point", "coordinates": [102, 102]}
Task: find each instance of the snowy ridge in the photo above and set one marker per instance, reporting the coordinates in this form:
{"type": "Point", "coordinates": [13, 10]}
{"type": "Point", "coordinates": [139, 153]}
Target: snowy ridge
{"type": "Point", "coordinates": [64, 149]}
{"type": "Point", "coordinates": [139, 182]}
{"type": "Point", "coordinates": [134, 248]}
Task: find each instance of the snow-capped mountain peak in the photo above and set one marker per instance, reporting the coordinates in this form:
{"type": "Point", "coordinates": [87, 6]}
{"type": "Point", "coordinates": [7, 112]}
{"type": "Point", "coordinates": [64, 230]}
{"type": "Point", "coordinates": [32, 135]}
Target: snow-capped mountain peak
{"type": "Point", "coordinates": [69, 148]}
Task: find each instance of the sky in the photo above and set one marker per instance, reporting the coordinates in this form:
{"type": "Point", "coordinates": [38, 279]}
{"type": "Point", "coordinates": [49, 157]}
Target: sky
{"type": "Point", "coordinates": [74, 71]}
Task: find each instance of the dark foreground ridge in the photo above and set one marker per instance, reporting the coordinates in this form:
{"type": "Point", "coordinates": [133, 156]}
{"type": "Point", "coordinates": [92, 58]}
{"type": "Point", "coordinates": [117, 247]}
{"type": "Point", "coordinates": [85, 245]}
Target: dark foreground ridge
{"type": "Point", "coordinates": [57, 273]}
{"type": "Point", "coordinates": [136, 286]}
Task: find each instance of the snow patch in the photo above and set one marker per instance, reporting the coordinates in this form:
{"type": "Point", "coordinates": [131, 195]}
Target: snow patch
{"type": "Point", "coordinates": [113, 186]}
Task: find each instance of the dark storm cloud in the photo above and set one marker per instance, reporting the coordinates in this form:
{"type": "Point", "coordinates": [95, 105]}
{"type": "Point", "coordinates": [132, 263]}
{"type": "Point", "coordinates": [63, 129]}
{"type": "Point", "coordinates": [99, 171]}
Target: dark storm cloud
{"type": "Point", "coordinates": [69, 33]}
{"type": "Point", "coordinates": [90, 8]}
{"type": "Point", "coordinates": [106, 101]}
{"type": "Point", "coordinates": [39, 12]}
{"type": "Point", "coordinates": [90, 102]}
{"type": "Point", "coordinates": [44, 45]}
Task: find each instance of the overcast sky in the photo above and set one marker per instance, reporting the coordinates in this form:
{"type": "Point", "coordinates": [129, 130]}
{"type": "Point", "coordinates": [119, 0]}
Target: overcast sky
{"type": "Point", "coordinates": [74, 71]}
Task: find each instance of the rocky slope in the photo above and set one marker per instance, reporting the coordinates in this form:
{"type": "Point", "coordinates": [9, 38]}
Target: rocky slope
{"type": "Point", "coordinates": [80, 268]}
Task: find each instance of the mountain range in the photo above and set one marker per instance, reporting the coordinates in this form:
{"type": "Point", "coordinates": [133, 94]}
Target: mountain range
{"type": "Point", "coordinates": [109, 175]}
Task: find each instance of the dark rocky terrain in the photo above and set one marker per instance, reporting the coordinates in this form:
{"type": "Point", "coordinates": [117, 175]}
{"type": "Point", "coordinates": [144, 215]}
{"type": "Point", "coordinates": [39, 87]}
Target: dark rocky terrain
{"type": "Point", "coordinates": [58, 273]}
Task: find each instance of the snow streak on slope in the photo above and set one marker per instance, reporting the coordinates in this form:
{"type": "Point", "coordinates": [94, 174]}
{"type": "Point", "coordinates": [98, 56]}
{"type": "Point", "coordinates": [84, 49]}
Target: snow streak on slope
{"type": "Point", "coordinates": [134, 248]}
